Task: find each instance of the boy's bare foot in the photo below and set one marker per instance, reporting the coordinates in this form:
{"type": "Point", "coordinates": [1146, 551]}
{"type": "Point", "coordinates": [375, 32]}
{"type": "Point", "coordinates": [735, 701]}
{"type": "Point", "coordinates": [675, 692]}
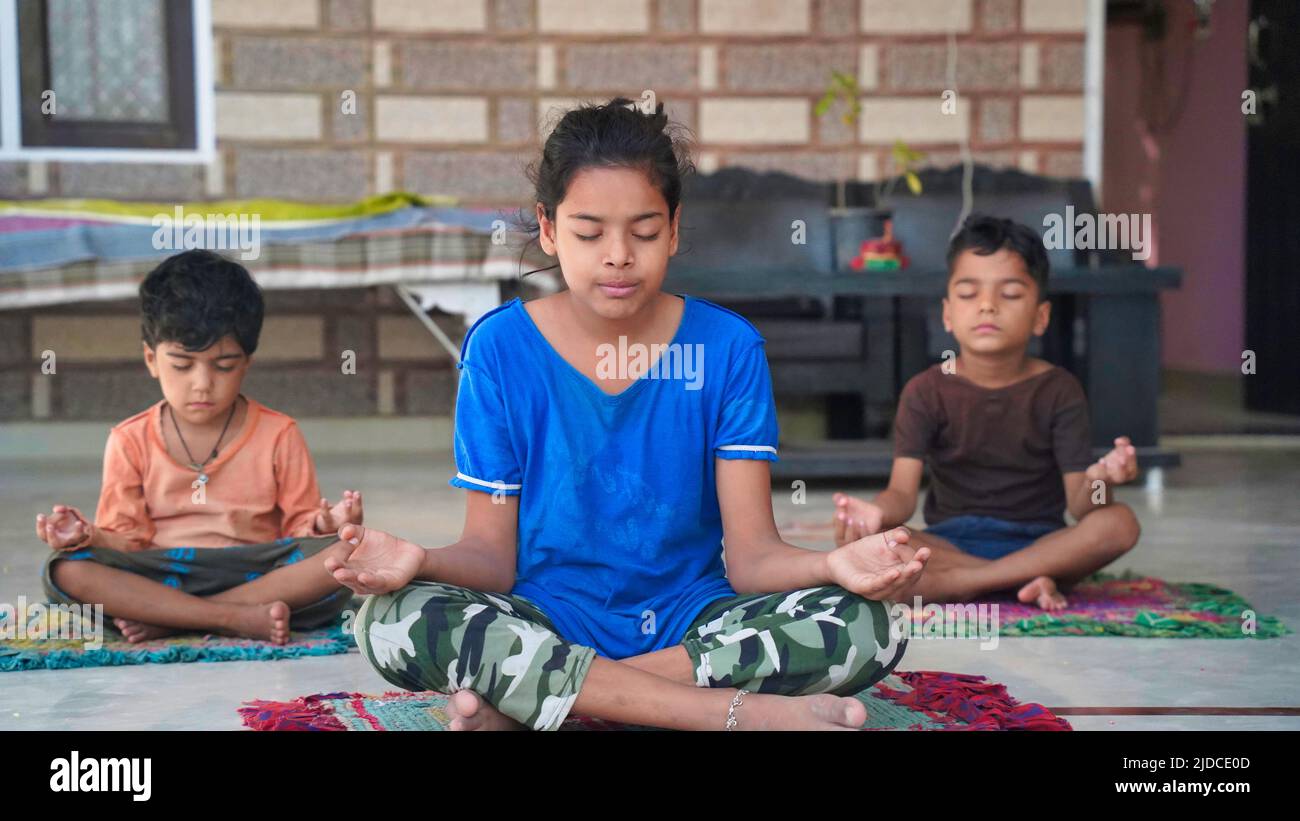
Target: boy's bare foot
{"type": "Point", "coordinates": [470, 711]}
{"type": "Point", "coordinates": [138, 631]}
{"type": "Point", "coordinates": [761, 711]}
{"type": "Point", "coordinates": [268, 622]}
{"type": "Point", "coordinates": [1043, 591]}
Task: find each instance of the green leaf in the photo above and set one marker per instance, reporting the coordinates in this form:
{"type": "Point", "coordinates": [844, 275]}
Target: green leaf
{"type": "Point", "coordinates": [913, 182]}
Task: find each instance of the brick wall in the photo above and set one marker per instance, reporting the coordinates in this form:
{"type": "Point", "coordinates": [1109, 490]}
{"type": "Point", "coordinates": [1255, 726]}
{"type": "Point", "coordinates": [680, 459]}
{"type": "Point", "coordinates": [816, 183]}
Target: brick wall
{"type": "Point", "coordinates": [453, 96]}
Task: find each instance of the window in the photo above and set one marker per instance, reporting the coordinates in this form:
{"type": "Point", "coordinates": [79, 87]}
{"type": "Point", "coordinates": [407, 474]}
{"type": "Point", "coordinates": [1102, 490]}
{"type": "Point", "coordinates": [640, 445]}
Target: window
{"type": "Point", "coordinates": [105, 80]}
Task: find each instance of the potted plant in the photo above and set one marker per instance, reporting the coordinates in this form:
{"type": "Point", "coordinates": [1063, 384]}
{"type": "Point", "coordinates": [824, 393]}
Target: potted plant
{"type": "Point", "coordinates": [854, 227]}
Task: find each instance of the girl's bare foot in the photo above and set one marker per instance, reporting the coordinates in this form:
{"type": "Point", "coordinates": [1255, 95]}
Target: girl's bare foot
{"type": "Point", "coordinates": [138, 631]}
{"type": "Point", "coordinates": [758, 711]}
{"type": "Point", "coordinates": [1043, 591]}
{"type": "Point", "coordinates": [268, 622]}
{"type": "Point", "coordinates": [470, 711]}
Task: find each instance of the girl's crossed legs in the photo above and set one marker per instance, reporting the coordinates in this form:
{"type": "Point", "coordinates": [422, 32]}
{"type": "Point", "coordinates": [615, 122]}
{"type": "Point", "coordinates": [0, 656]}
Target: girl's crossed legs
{"type": "Point", "coordinates": [811, 643]}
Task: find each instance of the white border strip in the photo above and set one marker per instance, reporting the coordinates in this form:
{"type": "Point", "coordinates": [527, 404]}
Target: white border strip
{"type": "Point", "coordinates": [493, 485]}
{"type": "Point", "coordinates": [1094, 96]}
{"type": "Point", "coordinates": [750, 448]}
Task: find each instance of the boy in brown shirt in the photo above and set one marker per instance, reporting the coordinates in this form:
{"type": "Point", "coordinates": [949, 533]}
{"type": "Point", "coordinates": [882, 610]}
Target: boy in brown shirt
{"type": "Point", "coordinates": [1007, 441]}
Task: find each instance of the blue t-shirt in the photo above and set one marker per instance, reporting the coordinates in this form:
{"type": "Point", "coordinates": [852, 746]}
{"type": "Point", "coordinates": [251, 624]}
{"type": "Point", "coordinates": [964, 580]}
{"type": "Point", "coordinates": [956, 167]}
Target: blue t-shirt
{"type": "Point", "coordinates": [620, 533]}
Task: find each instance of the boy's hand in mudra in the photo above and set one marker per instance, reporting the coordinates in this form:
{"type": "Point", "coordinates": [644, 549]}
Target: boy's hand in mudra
{"type": "Point", "coordinates": [379, 562]}
{"type": "Point", "coordinates": [881, 566]}
{"type": "Point", "coordinates": [347, 511]}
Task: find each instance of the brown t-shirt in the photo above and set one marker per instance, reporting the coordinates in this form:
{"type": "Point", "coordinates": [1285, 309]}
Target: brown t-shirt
{"type": "Point", "coordinates": [995, 451]}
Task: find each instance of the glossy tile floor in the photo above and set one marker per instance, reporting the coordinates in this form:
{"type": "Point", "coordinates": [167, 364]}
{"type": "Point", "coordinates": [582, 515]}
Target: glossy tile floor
{"type": "Point", "coordinates": [1228, 516]}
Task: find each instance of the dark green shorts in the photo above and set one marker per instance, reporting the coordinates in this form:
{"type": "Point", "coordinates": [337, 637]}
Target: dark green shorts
{"type": "Point", "coordinates": [203, 571]}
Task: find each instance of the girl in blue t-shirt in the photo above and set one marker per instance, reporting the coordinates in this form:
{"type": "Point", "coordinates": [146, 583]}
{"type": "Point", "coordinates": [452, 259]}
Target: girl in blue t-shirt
{"type": "Point", "coordinates": [613, 439]}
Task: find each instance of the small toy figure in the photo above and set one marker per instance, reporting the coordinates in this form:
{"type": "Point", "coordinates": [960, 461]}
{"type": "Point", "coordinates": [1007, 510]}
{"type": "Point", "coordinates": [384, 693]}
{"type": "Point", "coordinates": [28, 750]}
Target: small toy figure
{"type": "Point", "coordinates": [881, 254]}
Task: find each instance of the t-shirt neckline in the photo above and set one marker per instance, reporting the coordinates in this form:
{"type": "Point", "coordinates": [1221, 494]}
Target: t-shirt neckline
{"type": "Point", "coordinates": [582, 377]}
{"type": "Point", "coordinates": [1013, 385]}
{"type": "Point", "coordinates": [250, 422]}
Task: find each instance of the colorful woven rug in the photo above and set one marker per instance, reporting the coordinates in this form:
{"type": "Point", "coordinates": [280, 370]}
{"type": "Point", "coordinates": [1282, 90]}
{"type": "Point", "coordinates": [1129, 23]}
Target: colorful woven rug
{"type": "Point", "coordinates": [33, 652]}
{"type": "Point", "coordinates": [903, 701]}
{"type": "Point", "coordinates": [1144, 607]}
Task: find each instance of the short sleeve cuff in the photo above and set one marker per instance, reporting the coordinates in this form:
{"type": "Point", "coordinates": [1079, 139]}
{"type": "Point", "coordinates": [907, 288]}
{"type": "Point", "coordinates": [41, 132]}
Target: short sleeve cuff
{"type": "Point", "coordinates": [763, 452]}
{"type": "Point", "coordinates": [461, 480]}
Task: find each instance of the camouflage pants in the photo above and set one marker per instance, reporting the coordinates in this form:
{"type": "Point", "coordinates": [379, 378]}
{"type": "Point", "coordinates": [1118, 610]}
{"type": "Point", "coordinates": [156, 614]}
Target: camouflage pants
{"type": "Point", "coordinates": [434, 636]}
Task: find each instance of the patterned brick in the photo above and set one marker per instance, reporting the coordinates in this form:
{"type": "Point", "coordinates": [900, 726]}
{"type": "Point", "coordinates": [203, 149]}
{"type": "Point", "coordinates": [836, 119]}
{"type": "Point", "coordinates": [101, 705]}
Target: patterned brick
{"type": "Point", "coordinates": [979, 66]}
{"type": "Point", "coordinates": [353, 125]}
{"type": "Point", "coordinates": [1063, 164]}
{"type": "Point", "coordinates": [675, 16]}
{"type": "Point", "coordinates": [515, 120]}
{"type": "Point", "coordinates": [15, 394]}
{"type": "Point", "coordinates": [1061, 67]}
{"type": "Point", "coordinates": [106, 394]}
{"type": "Point", "coordinates": [131, 181]}
{"type": "Point", "coordinates": [13, 179]}
{"type": "Point", "coordinates": [512, 16]}
{"type": "Point", "coordinates": [297, 63]}
{"type": "Point", "coordinates": [303, 392]}
{"type": "Point", "coordinates": [450, 66]}
{"type": "Point", "coordinates": [837, 18]}
{"type": "Point", "coordinates": [348, 15]}
{"type": "Point", "coordinates": [319, 175]}
{"type": "Point", "coordinates": [430, 393]}
{"type": "Point", "coordinates": [785, 68]}
{"type": "Point", "coordinates": [631, 68]}
{"type": "Point", "coordinates": [997, 120]}
{"type": "Point", "coordinates": [998, 16]}
{"type": "Point", "coordinates": [485, 175]}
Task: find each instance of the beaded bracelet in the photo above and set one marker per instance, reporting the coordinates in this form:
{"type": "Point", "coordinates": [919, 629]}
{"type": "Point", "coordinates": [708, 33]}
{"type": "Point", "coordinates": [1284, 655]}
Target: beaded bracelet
{"type": "Point", "coordinates": [731, 713]}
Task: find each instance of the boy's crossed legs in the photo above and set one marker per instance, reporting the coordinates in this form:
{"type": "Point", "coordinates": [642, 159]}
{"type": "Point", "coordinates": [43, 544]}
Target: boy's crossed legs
{"type": "Point", "coordinates": [145, 609]}
{"type": "Point", "coordinates": [1061, 558]}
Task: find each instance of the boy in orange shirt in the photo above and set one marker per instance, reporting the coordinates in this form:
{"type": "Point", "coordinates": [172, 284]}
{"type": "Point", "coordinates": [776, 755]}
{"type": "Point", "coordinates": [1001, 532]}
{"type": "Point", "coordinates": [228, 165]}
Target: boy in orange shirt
{"type": "Point", "coordinates": [210, 518]}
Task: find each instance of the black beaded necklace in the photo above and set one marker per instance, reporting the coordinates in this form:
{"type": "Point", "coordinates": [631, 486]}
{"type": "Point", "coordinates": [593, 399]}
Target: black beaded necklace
{"type": "Point", "coordinates": [203, 477]}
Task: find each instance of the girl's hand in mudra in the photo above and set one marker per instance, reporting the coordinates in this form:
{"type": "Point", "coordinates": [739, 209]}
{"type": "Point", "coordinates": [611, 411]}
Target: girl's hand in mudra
{"type": "Point", "coordinates": [881, 566]}
{"type": "Point", "coordinates": [378, 563]}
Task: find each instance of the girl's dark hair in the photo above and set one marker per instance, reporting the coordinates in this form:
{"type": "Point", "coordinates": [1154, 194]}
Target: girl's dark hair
{"type": "Point", "coordinates": [197, 297]}
{"type": "Point", "coordinates": [987, 235]}
{"type": "Point", "coordinates": [608, 135]}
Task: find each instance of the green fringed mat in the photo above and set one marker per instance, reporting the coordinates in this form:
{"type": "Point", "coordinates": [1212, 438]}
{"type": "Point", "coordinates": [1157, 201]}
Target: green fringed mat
{"type": "Point", "coordinates": [1141, 606]}
{"type": "Point", "coordinates": [47, 646]}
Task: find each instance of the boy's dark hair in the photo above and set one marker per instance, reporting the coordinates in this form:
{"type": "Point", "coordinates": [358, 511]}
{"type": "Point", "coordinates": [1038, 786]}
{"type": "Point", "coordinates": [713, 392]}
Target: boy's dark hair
{"type": "Point", "coordinates": [197, 297]}
{"type": "Point", "coordinates": [987, 235]}
{"type": "Point", "coordinates": [608, 135]}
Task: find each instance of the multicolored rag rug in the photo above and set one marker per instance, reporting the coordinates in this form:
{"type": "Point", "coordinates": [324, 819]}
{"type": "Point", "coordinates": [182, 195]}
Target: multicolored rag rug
{"type": "Point", "coordinates": [903, 701]}
{"type": "Point", "coordinates": [58, 645]}
{"type": "Point", "coordinates": [1143, 607]}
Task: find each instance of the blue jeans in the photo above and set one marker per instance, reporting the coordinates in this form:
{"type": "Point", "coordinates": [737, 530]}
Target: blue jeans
{"type": "Point", "coordinates": [989, 537]}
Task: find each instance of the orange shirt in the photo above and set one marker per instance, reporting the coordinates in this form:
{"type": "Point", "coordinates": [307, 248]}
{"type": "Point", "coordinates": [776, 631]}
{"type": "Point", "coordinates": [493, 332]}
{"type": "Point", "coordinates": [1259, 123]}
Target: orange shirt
{"type": "Point", "coordinates": [261, 487]}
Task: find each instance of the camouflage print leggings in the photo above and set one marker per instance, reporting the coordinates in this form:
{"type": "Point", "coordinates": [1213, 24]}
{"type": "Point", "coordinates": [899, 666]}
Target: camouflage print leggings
{"type": "Point", "coordinates": [434, 636]}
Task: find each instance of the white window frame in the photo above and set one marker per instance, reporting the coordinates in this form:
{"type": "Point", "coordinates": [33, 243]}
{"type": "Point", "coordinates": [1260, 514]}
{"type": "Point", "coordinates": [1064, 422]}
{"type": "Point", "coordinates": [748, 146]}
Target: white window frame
{"type": "Point", "coordinates": [12, 149]}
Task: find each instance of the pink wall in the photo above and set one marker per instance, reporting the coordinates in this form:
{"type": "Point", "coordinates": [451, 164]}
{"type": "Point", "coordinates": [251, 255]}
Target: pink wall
{"type": "Point", "coordinates": [1191, 178]}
